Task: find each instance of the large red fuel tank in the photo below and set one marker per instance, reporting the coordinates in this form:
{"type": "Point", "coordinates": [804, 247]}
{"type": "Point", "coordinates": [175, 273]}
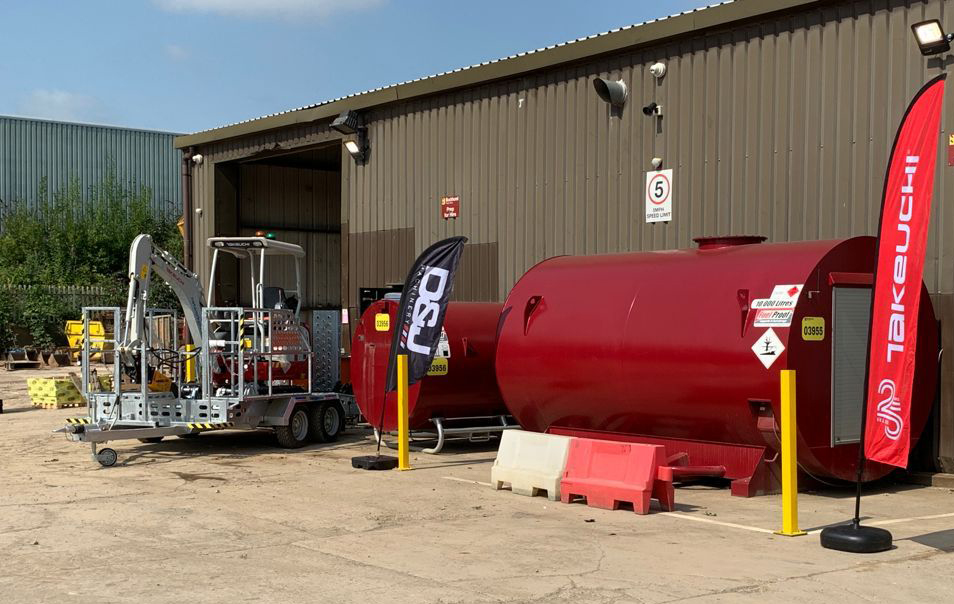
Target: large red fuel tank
{"type": "Point", "coordinates": [669, 346]}
{"type": "Point", "coordinates": [460, 383]}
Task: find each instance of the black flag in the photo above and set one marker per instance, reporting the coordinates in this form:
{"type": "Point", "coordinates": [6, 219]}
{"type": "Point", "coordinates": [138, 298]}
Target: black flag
{"type": "Point", "coordinates": [423, 304]}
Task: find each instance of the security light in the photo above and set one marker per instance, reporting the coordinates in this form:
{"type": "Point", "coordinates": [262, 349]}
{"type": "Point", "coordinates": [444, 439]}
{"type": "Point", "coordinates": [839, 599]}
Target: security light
{"type": "Point", "coordinates": [357, 146]}
{"type": "Point", "coordinates": [349, 123]}
{"type": "Point", "coordinates": [931, 38]}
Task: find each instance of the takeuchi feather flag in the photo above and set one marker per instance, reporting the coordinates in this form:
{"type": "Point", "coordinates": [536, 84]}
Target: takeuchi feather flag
{"type": "Point", "coordinates": [902, 239]}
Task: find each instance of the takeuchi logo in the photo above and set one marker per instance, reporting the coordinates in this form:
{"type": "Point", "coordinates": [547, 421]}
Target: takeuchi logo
{"type": "Point", "coordinates": [889, 410]}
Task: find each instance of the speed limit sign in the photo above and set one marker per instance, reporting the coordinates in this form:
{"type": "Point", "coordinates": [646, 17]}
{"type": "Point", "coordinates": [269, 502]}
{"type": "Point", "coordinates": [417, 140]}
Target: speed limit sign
{"type": "Point", "coordinates": [659, 196]}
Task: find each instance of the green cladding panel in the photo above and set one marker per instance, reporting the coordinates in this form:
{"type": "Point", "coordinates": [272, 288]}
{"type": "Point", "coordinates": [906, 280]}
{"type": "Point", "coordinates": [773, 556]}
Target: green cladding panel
{"type": "Point", "coordinates": [60, 152]}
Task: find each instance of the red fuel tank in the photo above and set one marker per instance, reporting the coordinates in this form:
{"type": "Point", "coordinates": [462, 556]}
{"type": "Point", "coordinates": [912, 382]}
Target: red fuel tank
{"type": "Point", "coordinates": [684, 348]}
{"type": "Point", "coordinates": [460, 383]}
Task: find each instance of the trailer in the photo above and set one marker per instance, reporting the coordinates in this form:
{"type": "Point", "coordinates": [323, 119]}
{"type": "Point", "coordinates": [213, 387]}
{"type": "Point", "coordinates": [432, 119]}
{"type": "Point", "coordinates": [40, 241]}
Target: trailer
{"type": "Point", "coordinates": [248, 368]}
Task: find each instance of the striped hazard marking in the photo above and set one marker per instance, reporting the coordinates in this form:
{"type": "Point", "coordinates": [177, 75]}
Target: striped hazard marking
{"type": "Point", "coordinates": [206, 427]}
{"type": "Point", "coordinates": [78, 420]}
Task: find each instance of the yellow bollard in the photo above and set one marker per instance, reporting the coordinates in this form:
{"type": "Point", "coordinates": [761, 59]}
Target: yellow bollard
{"type": "Point", "coordinates": [404, 462]}
{"type": "Point", "coordinates": [190, 374]}
{"type": "Point", "coordinates": [789, 459]}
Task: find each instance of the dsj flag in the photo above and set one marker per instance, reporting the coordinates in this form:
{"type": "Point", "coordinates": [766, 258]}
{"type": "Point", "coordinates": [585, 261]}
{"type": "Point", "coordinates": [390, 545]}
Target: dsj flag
{"type": "Point", "coordinates": [421, 312]}
{"type": "Point", "coordinates": [902, 238]}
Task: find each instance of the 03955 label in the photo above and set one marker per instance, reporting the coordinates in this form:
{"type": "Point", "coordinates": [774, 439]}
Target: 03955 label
{"type": "Point", "coordinates": [813, 329]}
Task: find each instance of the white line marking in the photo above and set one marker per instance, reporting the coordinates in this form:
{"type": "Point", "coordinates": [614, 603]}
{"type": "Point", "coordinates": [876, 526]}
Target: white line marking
{"type": "Point", "coordinates": [754, 529]}
{"type": "Point", "coordinates": [486, 484]}
{"type": "Point", "coordinates": [900, 520]}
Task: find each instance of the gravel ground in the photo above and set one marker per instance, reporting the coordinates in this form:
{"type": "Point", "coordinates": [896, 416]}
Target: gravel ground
{"type": "Point", "coordinates": [227, 517]}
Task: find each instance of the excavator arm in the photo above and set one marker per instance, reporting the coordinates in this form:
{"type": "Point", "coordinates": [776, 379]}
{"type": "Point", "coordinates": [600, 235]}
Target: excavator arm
{"type": "Point", "coordinates": [144, 258]}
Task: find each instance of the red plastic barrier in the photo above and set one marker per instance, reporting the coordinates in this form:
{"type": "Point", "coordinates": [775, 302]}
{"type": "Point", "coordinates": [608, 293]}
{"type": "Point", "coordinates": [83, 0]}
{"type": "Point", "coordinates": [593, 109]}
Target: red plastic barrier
{"type": "Point", "coordinates": [608, 472]}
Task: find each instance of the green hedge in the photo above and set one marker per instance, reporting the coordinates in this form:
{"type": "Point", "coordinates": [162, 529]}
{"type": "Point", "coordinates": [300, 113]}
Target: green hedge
{"type": "Point", "coordinates": [74, 237]}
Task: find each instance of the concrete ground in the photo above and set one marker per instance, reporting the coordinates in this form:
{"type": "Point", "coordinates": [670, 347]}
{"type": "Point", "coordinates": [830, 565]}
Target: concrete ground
{"type": "Point", "coordinates": [228, 517]}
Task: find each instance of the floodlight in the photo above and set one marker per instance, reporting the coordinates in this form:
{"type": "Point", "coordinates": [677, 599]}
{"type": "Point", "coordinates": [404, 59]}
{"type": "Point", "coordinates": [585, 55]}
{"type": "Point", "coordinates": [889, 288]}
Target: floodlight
{"type": "Point", "coordinates": [931, 38]}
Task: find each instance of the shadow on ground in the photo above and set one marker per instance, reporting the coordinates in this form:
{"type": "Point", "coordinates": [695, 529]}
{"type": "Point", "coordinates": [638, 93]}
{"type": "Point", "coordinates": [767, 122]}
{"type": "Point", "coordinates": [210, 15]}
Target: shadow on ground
{"type": "Point", "coordinates": [232, 447]}
{"type": "Point", "coordinates": [939, 540]}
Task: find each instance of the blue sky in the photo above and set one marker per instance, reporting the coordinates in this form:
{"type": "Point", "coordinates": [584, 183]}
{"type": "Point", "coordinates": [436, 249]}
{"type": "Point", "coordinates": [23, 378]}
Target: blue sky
{"type": "Point", "coordinates": [188, 65]}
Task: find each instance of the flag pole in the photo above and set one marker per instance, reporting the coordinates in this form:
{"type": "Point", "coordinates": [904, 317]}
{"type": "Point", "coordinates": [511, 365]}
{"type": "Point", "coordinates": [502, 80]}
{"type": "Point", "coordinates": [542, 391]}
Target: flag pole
{"type": "Point", "coordinates": [414, 338]}
{"type": "Point", "coordinates": [855, 537]}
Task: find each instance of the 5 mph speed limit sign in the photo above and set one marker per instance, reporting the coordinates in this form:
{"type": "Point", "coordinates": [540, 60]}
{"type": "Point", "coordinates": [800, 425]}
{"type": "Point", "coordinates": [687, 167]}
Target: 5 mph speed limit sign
{"type": "Point", "coordinates": [659, 196]}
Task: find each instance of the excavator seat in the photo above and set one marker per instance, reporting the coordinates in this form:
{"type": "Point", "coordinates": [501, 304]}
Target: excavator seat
{"type": "Point", "coordinates": [274, 297]}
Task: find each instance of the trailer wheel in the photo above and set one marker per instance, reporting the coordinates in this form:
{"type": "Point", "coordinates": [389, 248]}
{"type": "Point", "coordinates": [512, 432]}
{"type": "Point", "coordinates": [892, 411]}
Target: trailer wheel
{"type": "Point", "coordinates": [107, 457]}
{"type": "Point", "coordinates": [327, 422]}
{"type": "Point", "coordinates": [295, 434]}
{"type": "Point", "coordinates": [151, 440]}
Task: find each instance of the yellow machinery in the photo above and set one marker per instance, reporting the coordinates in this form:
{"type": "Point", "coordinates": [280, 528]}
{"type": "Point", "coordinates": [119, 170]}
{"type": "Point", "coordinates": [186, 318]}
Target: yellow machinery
{"type": "Point", "coordinates": [97, 333]}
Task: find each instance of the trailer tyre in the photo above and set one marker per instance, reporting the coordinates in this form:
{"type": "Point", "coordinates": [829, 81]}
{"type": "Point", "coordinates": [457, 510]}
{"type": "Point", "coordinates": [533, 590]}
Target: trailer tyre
{"type": "Point", "coordinates": [295, 434]}
{"type": "Point", "coordinates": [327, 422]}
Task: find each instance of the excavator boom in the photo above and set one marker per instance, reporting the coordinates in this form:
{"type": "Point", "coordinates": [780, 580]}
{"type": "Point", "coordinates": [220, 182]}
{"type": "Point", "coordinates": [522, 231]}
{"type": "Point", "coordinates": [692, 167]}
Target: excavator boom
{"type": "Point", "coordinates": [144, 258]}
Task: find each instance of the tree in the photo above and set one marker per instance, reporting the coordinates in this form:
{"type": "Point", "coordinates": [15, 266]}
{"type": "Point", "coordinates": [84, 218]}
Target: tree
{"type": "Point", "coordinates": [72, 238]}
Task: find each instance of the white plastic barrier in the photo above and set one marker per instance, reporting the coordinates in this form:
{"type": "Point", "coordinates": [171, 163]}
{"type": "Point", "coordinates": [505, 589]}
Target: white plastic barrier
{"type": "Point", "coordinates": [531, 462]}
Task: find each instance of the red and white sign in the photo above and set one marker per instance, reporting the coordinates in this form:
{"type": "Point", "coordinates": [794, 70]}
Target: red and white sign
{"type": "Point", "coordinates": [905, 217]}
{"type": "Point", "coordinates": [450, 206]}
{"type": "Point", "coordinates": [778, 310]}
{"type": "Point", "coordinates": [659, 196]}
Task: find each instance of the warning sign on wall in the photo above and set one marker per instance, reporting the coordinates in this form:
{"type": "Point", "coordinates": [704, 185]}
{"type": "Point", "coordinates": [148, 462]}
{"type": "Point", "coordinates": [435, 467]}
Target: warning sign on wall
{"type": "Point", "coordinates": [450, 206]}
{"type": "Point", "coordinates": [659, 196]}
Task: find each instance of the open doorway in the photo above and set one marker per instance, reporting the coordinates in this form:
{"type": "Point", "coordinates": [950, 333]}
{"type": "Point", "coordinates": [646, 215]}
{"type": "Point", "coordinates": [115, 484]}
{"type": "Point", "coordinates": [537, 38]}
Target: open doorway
{"type": "Point", "coordinates": [293, 197]}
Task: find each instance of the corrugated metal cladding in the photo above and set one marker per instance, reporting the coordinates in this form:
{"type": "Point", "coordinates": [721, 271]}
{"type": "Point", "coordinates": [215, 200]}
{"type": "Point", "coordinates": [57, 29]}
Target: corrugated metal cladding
{"type": "Point", "coordinates": [780, 127]}
{"type": "Point", "coordinates": [31, 150]}
{"type": "Point", "coordinates": [299, 206]}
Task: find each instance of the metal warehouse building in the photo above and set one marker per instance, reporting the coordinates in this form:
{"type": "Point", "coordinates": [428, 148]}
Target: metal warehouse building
{"type": "Point", "coordinates": [32, 150]}
{"type": "Point", "coordinates": [778, 117]}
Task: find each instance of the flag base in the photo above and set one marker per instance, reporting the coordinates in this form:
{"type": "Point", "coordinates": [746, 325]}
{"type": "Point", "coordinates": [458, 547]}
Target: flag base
{"type": "Point", "coordinates": [856, 539]}
{"type": "Point", "coordinates": [374, 462]}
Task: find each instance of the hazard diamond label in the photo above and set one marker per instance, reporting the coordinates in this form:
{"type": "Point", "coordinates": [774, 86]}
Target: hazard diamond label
{"type": "Point", "coordinates": [768, 348]}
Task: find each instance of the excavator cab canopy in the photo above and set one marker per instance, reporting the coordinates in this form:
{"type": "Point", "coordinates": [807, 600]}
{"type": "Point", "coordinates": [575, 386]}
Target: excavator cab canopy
{"type": "Point", "coordinates": [255, 250]}
{"type": "Point", "coordinates": [242, 247]}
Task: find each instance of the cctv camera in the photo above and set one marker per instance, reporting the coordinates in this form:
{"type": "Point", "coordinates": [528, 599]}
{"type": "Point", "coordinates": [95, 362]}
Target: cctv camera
{"type": "Point", "coordinates": [652, 109]}
{"type": "Point", "coordinates": [197, 158]}
{"type": "Point", "coordinates": [656, 163]}
{"type": "Point", "coordinates": [657, 70]}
